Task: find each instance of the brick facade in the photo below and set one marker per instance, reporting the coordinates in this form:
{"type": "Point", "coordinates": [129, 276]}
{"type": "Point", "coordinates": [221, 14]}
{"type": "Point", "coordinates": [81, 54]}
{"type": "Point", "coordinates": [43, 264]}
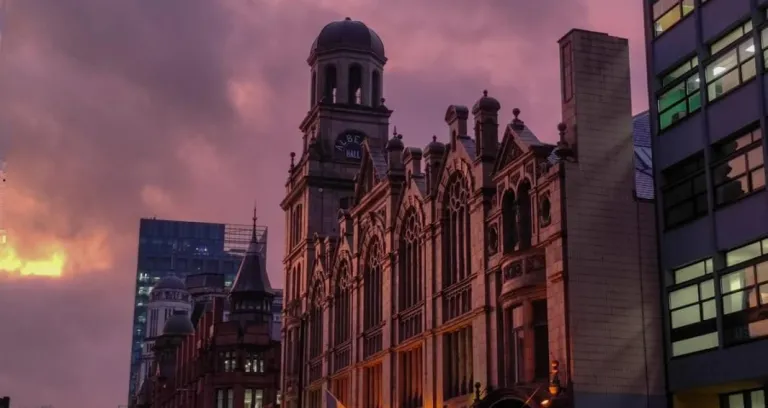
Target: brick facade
{"type": "Point", "coordinates": [528, 253]}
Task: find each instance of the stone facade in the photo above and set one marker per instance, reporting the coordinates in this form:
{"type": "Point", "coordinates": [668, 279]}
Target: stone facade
{"type": "Point", "coordinates": [461, 272]}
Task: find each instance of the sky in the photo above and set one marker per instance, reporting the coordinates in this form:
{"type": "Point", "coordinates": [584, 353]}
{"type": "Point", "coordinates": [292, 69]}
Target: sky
{"type": "Point", "coordinates": [188, 109]}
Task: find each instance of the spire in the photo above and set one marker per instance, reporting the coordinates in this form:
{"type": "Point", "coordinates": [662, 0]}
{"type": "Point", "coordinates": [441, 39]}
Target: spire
{"type": "Point", "coordinates": [252, 275]}
{"type": "Point", "coordinates": [255, 218]}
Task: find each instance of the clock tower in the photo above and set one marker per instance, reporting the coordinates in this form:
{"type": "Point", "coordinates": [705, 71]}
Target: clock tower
{"type": "Point", "coordinates": [346, 112]}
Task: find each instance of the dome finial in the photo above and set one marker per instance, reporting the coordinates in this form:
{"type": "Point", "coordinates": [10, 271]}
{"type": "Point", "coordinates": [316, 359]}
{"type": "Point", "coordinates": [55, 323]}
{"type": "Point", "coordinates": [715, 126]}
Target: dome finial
{"type": "Point", "coordinates": [434, 138]}
{"type": "Point", "coordinates": [394, 132]}
{"type": "Point", "coordinates": [347, 19]}
{"type": "Point", "coordinates": [485, 93]}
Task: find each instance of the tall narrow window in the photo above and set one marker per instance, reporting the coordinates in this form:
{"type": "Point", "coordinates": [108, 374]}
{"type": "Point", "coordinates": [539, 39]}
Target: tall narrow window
{"type": "Point", "coordinates": [515, 345]}
{"type": "Point", "coordinates": [342, 307]}
{"type": "Point", "coordinates": [540, 339]}
{"type": "Point", "coordinates": [372, 387]}
{"type": "Point", "coordinates": [411, 277]}
{"type": "Point", "coordinates": [457, 363]}
{"type": "Point", "coordinates": [456, 231]}
{"type": "Point", "coordinates": [253, 398]}
{"type": "Point", "coordinates": [375, 89]}
{"type": "Point", "coordinates": [355, 85]}
{"type": "Point", "coordinates": [509, 220]}
{"type": "Point", "coordinates": [330, 84]}
{"type": "Point", "coordinates": [525, 224]}
{"type": "Point", "coordinates": [372, 281]}
{"type": "Point", "coordinates": [411, 378]}
{"type": "Point", "coordinates": [316, 321]}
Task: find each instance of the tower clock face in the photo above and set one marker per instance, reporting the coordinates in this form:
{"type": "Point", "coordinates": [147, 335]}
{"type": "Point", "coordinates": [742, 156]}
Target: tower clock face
{"type": "Point", "coordinates": [349, 146]}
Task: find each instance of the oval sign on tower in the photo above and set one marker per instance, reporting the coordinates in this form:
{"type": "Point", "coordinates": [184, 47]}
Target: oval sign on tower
{"type": "Point", "coordinates": [349, 145]}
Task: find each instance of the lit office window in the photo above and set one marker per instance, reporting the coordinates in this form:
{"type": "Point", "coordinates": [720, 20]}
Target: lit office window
{"type": "Point", "coordinates": [253, 398]}
{"type": "Point", "coordinates": [764, 40]}
{"type": "Point", "coordinates": [745, 294]}
{"type": "Point", "coordinates": [667, 13]}
{"type": "Point", "coordinates": [692, 310]}
{"type": "Point", "coordinates": [744, 399]}
{"type": "Point", "coordinates": [735, 66]}
{"type": "Point", "coordinates": [738, 167]}
{"type": "Point", "coordinates": [680, 95]}
{"type": "Point", "coordinates": [684, 191]}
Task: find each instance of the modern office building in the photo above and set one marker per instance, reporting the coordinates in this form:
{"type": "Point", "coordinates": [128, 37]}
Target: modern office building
{"type": "Point", "coordinates": [182, 248]}
{"type": "Point", "coordinates": [707, 90]}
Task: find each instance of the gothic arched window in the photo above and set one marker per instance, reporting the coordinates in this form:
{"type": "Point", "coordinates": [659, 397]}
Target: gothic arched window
{"type": "Point", "coordinates": [342, 306]}
{"type": "Point", "coordinates": [525, 225]}
{"type": "Point", "coordinates": [372, 280]}
{"type": "Point", "coordinates": [316, 320]}
{"type": "Point", "coordinates": [455, 230]}
{"type": "Point", "coordinates": [509, 220]}
{"type": "Point", "coordinates": [411, 262]}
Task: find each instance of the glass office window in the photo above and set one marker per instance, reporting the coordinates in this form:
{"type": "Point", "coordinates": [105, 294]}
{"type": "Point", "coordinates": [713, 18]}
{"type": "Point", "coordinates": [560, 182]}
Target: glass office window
{"type": "Point", "coordinates": [737, 168]}
{"type": "Point", "coordinates": [733, 67]}
{"type": "Point", "coordinates": [667, 13]}
{"type": "Point", "coordinates": [680, 94]}
{"type": "Point", "coordinates": [745, 294]}
{"type": "Point", "coordinates": [684, 191]}
{"type": "Point", "coordinates": [692, 309]}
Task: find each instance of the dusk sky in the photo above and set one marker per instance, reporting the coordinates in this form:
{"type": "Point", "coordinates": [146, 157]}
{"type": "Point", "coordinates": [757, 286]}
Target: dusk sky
{"type": "Point", "coordinates": [113, 110]}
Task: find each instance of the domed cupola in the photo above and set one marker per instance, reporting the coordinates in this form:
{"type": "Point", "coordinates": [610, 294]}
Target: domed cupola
{"type": "Point", "coordinates": [178, 324]}
{"type": "Point", "coordinates": [347, 60]}
{"type": "Point", "coordinates": [348, 35]}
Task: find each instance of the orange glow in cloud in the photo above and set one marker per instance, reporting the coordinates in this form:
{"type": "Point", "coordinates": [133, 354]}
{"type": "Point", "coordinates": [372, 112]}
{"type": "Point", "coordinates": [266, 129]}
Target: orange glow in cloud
{"type": "Point", "coordinates": [50, 265]}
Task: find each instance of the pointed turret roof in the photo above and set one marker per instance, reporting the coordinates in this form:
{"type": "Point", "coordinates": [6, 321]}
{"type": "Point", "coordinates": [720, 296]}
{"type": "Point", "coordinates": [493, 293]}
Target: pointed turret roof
{"type": "Point", "coordinates": [252, 275]}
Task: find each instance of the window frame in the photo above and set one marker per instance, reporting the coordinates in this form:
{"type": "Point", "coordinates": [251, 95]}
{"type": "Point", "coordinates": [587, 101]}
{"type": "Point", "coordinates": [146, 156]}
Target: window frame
{"type": "Point", "coordinates": [748, 315]}
{"type": "Point", "coordinates": [669, 83]}
{"type": "Point", "coordinates": [734, 46]}
{"type": "Point", "coordinates": [746, 397]}
{"type": "Point", "coordinates": [682, 15]}
{"type": "Point", "coordinates": [756, 144]}
{"type": "Point", "coordinates": [690, 177]}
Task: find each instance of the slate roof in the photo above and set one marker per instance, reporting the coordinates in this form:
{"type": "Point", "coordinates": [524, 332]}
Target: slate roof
{"type": "Point", "coordinates": [641, 134]}
{"type": "Point", "coordinates": [252, 275]}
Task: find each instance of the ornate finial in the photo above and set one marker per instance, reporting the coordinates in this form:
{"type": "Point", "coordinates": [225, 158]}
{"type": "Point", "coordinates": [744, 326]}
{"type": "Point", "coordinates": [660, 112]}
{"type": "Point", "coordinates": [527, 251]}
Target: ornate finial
{"type": "Point", "coordinates": [383, 100]}
{"type": "Point", "coordinates": [399, 137]}
{"type": "Point", "coordinates": [255, 218]}
{"type": "Point", "coordinates": [485, 93]}
{"type": "Point", "coordinates": [347, 19]}
{"type": "Point", "coordinates": [516, 112]}
{"type": "Point", "coordinates": [293, 156]}
{"type": "Point", "coordinates": [561, 128]}
{"type": "Point", "coordinates": [394, 132]}
{"type": "Point", "coordinates": [434, 138]}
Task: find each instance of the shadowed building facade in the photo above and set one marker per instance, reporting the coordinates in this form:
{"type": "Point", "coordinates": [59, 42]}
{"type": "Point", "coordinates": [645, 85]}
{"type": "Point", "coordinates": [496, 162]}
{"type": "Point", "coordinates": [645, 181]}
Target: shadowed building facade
{"type": "Point", "coordinates": [707, 92]}
{"type": "Point", "coordinates": [225, 355]}
{"type": "Point", "coordinates": [486, 258]}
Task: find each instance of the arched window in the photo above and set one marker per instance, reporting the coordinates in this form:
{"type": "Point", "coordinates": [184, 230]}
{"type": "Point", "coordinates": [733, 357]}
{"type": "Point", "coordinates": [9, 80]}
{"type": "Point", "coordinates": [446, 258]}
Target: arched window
{"type": "Point", "coordinates": [342, 306]}
{"type": "Point", "coordinates": [372, 280]}
{"type": "Point", "coordinates": [316, 320]}
{"type": "Point", "coordinates": [509, 220]}
{"type": "Point", "coordinates": [525, 226]}
{"type": "Point", "coordinates": [375, 88]}
{"type": "Point", "coordinates": [331, 84]}
{"type": "Point", "coordinates": [313, 91]}
{"type": "Point", "coordinates": [455, 231]}
{"type": "Point", "coordinates": [355, 85]}
{"type": "Point", "coordinates": [410, 277]}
